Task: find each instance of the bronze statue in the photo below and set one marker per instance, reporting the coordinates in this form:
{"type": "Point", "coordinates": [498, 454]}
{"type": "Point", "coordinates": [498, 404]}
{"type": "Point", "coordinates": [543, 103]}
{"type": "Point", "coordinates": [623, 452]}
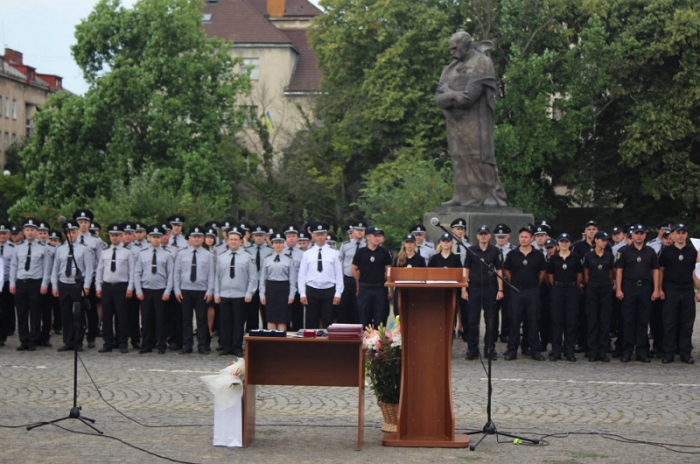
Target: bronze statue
{"type": "Point", "coordinates": [466, 96]}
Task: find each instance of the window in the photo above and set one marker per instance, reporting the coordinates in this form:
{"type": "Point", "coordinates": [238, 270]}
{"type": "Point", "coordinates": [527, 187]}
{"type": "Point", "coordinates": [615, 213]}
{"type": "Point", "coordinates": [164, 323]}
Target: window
{"type": "Point", "coordinates": [254, 65]}
{"type": "Point", "coordinates": [14, 109]}
{"type": "Point", "coordinates": [7, 107]}
{"type": "Point", "coordinates": [251, 115]}
{"type": "Point", "coordinates": [7, 140]}
{"type": "Point", "coordinates": [206, 18]}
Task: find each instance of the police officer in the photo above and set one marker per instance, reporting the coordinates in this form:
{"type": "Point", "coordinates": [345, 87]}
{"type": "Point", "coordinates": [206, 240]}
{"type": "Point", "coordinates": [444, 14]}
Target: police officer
{"type": "Point", "coordinates": [638, 285]}
{"type": "Point", "coordinates": [657, 242]}
{"type": "Point", "coordinates": [423, 247]}
{"type": "Point", "coordinates": [153, 280]}
{"type": "Point", "coordinates": [177, 240]}
{"type": "Point", "coordinates": [258, 251]}
{"type": "Point", "coordinates": [502, 234]}
{"type": "Point", "coordinates": [46, 300]}
{"type": "Point", "coordinates": [95, 229]}
{"type": "Point", "coordinates": [114, 283]}
{"type": "Point", "coordinates": [193, 281]}
{"type": "Point", "coordinates": [369, 267]}
{"type": "Point", "coordinates": [66, 283]}
{"type": "Point", "coordinates": [7, 299]}
{"type": "Point", "coordinates": [84, 217]}
{"type": "Point", "coordinates": [541, 234]}
{"type": "Point", "coordinates": [565, 274]}
{"type": "Point", "coordinates": [278, 285]}
{"type": "Point", "coordinates": [348, 310]}
{"type": "Point", "coordinates": [320, 280]}
{"type": "Point", "coordinates": [303, 240]}
{"type": "Point", "coordinates": [16, 235]}
{"type": "Point", "coordinates": [140, 235]}
{"type": "Point", "coordinates": [445, 256]}
{"type": "Point", "coordinates": [236, 281]}
{"type": "Point", "coordinates": [134, 244]}
{"type": "Point", "coordinates": [30, 271]}
{"type": "Point", "coordinates": [484, 289]}
{"type": "Point", "coordinates": [677, 265]}
{"type": "Point", "coordinates": [599, 274]}
{"type": "Point", "coordinates": [294, 251]}
{"type": "Point", "coordinates": [459, 227]}
{"type": "Point", "coordinates": [525, 268]}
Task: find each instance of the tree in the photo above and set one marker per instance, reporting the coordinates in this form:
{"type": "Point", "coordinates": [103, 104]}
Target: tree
{"type": "Point", "coordinates": [162, 97]}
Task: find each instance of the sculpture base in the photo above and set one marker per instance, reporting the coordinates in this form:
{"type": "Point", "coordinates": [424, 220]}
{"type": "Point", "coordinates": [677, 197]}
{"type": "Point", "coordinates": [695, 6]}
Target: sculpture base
{"type": "Point", "coordinates": [475, 216]}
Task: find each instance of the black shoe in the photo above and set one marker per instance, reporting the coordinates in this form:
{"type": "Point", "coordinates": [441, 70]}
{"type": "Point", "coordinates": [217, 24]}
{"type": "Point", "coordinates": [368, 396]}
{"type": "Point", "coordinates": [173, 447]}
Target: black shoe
{"type": "Point", "coordinates": [46, 344]}
{"type": "Point", "coordinates": [493, 355]}
{"type": "Point", "coordinates": [510, 356]}
{"type": "Point", "coordinates": [571, 359]}
{"type": "Point", "coordinates": [145, 350]}
{"type": "Point", "coordinates": [22, 348]}
{"type": "Point", "coordinates": [537, 356]}
{"type": "Point", "coordinates": [626, 358]}
{"type": "Point", "coordinates": [136, 345]}
{"type": "Point", "coordinates": [124, 350]}
{"type": "Point", "coordinates": [202, 350]}
{"type": "Point", "coordinates": [643, 358]}
{"type": "Point", "coordinates": [687, 359]}
{"type": "Point", "coordinates": [554, 357]}
{"type": "Point", "coordinates": [238, 354]}
{"type": "Point", "coordinates": [653, 353]}
{"type": "Point", "coordinates": [604, 358]}
{"type": "Point", "coordinates": [592, 359]}
{"type": "Point", "coordinates": [80, 348]}
{"type": "Point", "coordinates": [57, 332]}
{"type": "Point", "coordinates": [105, 349]}
{"type": "Point", "coordinates": [219, 348]}
{"type": "Point", "coordinates": [504, 338]}
{"type": "Point", "coordinates": [161, 350]}
{"type": "Point", "coordinates": [91, 344]}
{"type": "Point", "coordinates": [225, 353]}
{"type": "Point", "coordinates": [525, 351]}
{"type": "Point", "coordinates": [579, 349]}
{"type": "Point", "coordinates": [667, 361]}
{"type": "Point", "coordinates": [174, 347]}
{"type": "Point", "coordinates": [617, 354]}
{"type": "Point", "coordinates": [187, 350]}
{"type": "Point", "coordinates": [472, 355]}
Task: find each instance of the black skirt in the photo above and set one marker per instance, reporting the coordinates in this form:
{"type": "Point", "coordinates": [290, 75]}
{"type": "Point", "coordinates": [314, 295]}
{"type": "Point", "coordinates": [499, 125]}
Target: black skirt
{"type": "Point", "coordinates": [277, 310]}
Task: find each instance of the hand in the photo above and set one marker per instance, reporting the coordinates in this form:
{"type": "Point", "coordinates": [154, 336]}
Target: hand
{"type": "Point", "coordinates": [697, 296]}
{"type": "Point", "coordinates": [336, 300]}
{"type": "Point", "coordinates": [499, 295]}
{"type": "Point", "coordinates": [178, 297]}
{"type": "Point", "coordinates": [54, 292]}
{"type": "Point", "coordinates": [465, 295]}
{"type": "Point", "coordinates": [217, 299]}
{"type": "Point", "coordinates": [655, 296]}
{"type": "Point", "coordinates": [98, 293]}
{"type": "Point", "coordinates": [13, 290]}
{"type": "Point", "coordinates": [129, 293]}
{"type": "Point", "coordinates": [86, 291]}
{"type": "Point", "coordinates": [662, 295]}
{"type": "Point", "coordinates": [248, 299]}
{"type": "Point", "coordinates": [290, 301]}
{"type": "Point", "coordinates": [166, 297]}
{"type": "Point", "coordinates": [44, 290]}
{"type": "Point", "coordinates": [304, 300]}
{"type": "Point", "coordinates": [619, 294]}
{"type": "Point", "coordinates": [263, 301]}
{"type": "Point", "coordinates": [207, 298]}
{"type": "Point", "coordinates": [442, 87]}
{"type": "Point", "coordinates": [390, 296]}
{"type": "Point", "coordinates": [140, 296]}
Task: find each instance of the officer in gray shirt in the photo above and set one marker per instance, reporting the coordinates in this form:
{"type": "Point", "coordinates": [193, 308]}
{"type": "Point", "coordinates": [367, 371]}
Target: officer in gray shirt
{"type": "Point", "coordinates": [294, 251]}
{"type": "Point", "coordinates": [7, 299]}
{"type": "Point", "coordinates": [259, 251]}
{"type": "Point", "coordinates": [424, 247]}
{"type": "Point", "coordinates": [84, 217]}
{"type": "Point", "coordinates": [278, 285]}
{"type": "Point", "coordinates": [71, 284]}
{"type": "Point", "coordinates": [30, 272]}
{"type": "Point", "coordinates": [236, 282]}
{"type": "Point", "coordinates": [194, 289]}
{"type": "Point", "coordinates": [153, 280]}
{"type": "Point", "coordinates": [347, 313]}
{"type": "Point", "coordinates": [114, 283]}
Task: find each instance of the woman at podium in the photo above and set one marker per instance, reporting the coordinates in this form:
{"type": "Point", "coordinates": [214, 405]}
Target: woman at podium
{"type": "Point", "coordinates": [445, 256]}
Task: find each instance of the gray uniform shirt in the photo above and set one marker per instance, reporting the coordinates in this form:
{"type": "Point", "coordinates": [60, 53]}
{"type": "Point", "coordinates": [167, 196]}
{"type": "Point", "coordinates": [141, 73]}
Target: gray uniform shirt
{"type": "Point", "coordinates": [347, 252]}
{"type": "Point", "coordinates": [461, 249]}
{"type": "Point", "coordinates": [94, 244]}
{"type": "Point", "coordinates": [265, 251]}
{"type": "Point", "coordinates": [144, 277]}
{"type": "Point", "coordinates": [125, 263]}
{"type": "Point", "coordinates": [205, 271]}
{"type": "Point", "coordinates": [279, 271]}
{"type": "Point", "coordinates": [245, 281]}
{"type": "Point", "coordinates": [40, 263]}
{"type": "Point", "coordinates": [83, 258]}
{"type": "Point", "coordinates": [7, 250]}
{"type": "Point", "coordinates": [426, 251]}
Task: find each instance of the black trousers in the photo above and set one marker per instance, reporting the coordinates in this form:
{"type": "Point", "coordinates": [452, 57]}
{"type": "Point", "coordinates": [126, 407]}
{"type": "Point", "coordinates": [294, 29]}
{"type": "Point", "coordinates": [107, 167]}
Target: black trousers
{"type": "Point", "coordinates": [232, 316]}
{"type": "Point", "coordinates": [480, 297]}
{"type": "Point", "coordinates": [656, 324]}
{"type": "Point", "coordinates": [503, 313]}
{"type": "Point", "coordinates": [173, 321]}
{"type": "Point", "coordinates": [348, 312]}
{"type": "Point", "coordinates": [679, 318]}
{"type": "Point", "coordinates": [320, 307]}
{"type": "Point", "coordinates": [616, 323]}
{"type": "Point", "coordinates": [154, 319]}
{"type": "Point", "coordinates": [544, 321]}
{"type": "Point", "coordinates": [636, 308]}
{"type": "Point", "coordinates": [253, 311]}
{"type": "Point", "coordinates": [372, 306]}
{"type": "Point", "coordinates": [524, 307]}
{"type": "Point", "coordinates": [56, 310]}
{"type": "Point", "coordinates": [114, 313]}
{"type": "Point", "coordinates": [582, 324]}
{"type": "Point", "coordinates": [133, 318]}
{"type": "Point", "coordinates": [598, 311]}
{"type": "Point", "coordinates": [93, 318]}
{"type": "Point", "coordinates": [68, 294]}
{"type": "Point", "coordinates": [46, 310]}
{"type": "Point", "coordinates": [27, 298]}
{"type": "Point", "coordinates": [297, 321]}
{"type": "Point", "coordinates": [193, 302]}
{"type": "Point", "coordinates": [7, 312]}
{"type": "Point", "coordinates": [564, 302]}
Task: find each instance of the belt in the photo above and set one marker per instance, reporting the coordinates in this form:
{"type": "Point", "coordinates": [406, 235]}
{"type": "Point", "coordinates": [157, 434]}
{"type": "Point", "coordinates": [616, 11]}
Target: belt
{"type": "Point", "coordinates": [599, 284]}
{"type": "Point", "coordinates": [638, 283]}
{"type": "Point", "coordinates": [679, 288]}
{"type": "Point", "coordinates": [28, 281]}
{"type": "Point", "coordinates": [347, 278]}
{"type": "Point", "coordinates": [114, 283]}
{"type": "Point", "coordinates": [564, 284]}
{"type": "Point", "coordinates": [370, 286]}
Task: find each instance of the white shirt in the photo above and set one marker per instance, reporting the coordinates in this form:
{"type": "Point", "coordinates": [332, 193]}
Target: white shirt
{"type": "Point", "coordinates": [332, 273]}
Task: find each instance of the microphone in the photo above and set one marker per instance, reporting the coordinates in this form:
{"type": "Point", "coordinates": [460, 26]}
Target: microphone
{"type": "Point", "coordinates": [62, 220]}
{"type": "Point", "coordinates": [434, 221]}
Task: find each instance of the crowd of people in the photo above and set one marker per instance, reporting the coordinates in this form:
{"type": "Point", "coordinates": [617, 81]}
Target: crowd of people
{"type": "Point", "coordinates": [150, 283]}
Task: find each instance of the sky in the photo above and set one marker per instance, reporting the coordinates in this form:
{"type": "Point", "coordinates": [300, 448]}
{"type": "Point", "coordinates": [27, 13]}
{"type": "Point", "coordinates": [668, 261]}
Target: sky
{"type": "Point", "coordinates": [43, 31]}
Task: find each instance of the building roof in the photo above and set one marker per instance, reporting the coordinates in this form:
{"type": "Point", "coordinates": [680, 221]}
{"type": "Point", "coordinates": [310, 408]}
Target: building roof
{"type": "Point", "coordinates": [293, 8]}
{"type": "Point", "coordinates": [237, 20]}
{"type": "Point", "coordinates": [12, 65]}
{"type": "Point", "coordinates": [307, 75]}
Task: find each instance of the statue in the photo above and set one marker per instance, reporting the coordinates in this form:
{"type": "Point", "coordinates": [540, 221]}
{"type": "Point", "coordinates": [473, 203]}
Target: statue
{"type": "Point", "coordinates": [466, 96]}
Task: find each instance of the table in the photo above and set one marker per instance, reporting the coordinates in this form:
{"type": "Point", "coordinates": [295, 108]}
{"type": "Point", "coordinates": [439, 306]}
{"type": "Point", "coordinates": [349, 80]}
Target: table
{"type": "Point", "coordinates": [317, 362]}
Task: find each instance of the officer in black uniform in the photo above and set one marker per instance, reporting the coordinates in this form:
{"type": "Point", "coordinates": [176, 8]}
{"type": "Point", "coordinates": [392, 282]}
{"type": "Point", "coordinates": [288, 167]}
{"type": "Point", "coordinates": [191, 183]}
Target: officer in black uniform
{"type": "Point", "coordinates": [581, 248]}
{"type": "Point", "coordinates": [637, 283]}
{"type": "Point", "coordinates": [525, 268]}
{"type": "Point", "coordinates": [598, 274]}
{"type": "Point", "coordinates": [677, 264]}
{"type": "Point", "coordinates": [484, 289]}
{"type": "Point", "coordinates": [502, 234]}
{"type": "Point", "coordinates": [369, 267]}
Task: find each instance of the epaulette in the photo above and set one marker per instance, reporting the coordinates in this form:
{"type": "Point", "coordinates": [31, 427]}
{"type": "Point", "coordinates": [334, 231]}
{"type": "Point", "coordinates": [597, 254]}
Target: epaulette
{"type": "Point", "coordinates": [127, 246]}
{"type": "Point", "coordinates": [165, 247]}
{"type": "Point", "coordinates": [347, 241]}
{"type": "Point", "coordinates": [12, 245]}
{"type": "Point", "coordinates": [51, 245]}
{"type": "Point", "coordinates": [40, 243]}
{"type": "Point", "coordinates": [145, 249]}
{"type": "Point", "coordinates": [104, 245]}
{"type": "Point", "coordinates": [512, 247]}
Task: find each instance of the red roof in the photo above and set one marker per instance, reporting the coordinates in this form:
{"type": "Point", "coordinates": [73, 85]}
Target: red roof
{"type": "Point", "coordinates": [294, 8]}
{"type": "Point", "coordinates": [307, 76]}
{"type": "Point", "coordinates": [237, 20]}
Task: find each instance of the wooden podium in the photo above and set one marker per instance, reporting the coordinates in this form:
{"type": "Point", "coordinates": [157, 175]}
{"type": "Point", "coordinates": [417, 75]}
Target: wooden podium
{"type": "Point", "coordinates": [427, 310]}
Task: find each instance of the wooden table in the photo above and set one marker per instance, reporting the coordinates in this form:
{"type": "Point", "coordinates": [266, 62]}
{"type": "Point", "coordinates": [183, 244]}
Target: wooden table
{"type": "Point", "coordinates": [318, 362]}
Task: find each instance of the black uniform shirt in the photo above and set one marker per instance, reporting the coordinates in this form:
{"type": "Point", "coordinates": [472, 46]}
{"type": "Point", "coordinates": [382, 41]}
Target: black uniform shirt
{"type": "Point", "coordinates": [637, 264]}
{"type": "Point", "coordinates": [479, 273]}
{"type": "Point", "coordinates": [371, 264]}
{"type": "Point", "coordinates": [416, 261]}
{"type": "Point", "coordinates": [582, 247]}
{"type": "Point", "coordinates": [599, 266]}
{"type": "Point", "coordinates": [678, 264]}
{"type": "Point", "coordinates": [565, 269]}
{"type": "Point", "coordinates": [438, 260]}
{"type": "Point", "coordinates": [525, 270]}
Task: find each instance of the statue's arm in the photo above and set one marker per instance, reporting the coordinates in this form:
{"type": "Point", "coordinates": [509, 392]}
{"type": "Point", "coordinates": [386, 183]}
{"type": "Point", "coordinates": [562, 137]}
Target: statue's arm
{"type": "Point", "coordinates": [470, 95]}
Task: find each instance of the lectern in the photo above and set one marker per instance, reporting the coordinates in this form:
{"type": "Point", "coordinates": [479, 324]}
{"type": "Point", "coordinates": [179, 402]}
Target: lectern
{"type": "Point", "coordinates": [427, 300]}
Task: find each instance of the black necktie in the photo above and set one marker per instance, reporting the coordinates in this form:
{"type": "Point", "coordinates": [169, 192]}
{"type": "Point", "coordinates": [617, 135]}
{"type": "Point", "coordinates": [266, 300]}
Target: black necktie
{"type": "Point", "coordinates": [28, 262]}
{"type": "Point", "coordinates": [257, 258]}
{"type": "Point", "coordinates": [232, 267]}
{"type": "Point", "coordinates": [82, 240]}
{"type": "Point", "coordinates": [69, 264]}
{"type": "Point", "coordinates": [193, 268]}
{"type": "Point", "coordinates": [113, 266]}
{"type": "Point", "coordinates": [277, 258]}
{"type": "Point", "coordinates": [357, 248]}
{"type": "Point", "coordinates": [319, 265]}
{"type": "Point", "coordinates": [154, 262]}
{"type": "Point", "coordinates": [174, 241]}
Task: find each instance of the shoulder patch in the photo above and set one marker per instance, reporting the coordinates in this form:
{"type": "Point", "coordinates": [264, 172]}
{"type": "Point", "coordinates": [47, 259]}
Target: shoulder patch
{"type": "Point", "coordinates": [12, 245]}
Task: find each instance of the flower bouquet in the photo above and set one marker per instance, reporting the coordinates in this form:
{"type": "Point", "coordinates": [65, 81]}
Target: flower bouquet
{"type": "Point", "coordinates": [383, 366]}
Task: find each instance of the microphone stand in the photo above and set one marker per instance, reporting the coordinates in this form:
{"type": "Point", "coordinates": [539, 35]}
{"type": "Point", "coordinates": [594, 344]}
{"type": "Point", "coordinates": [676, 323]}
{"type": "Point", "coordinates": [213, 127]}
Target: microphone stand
{"type": "Point", "coordinates": [78, 329]}
{"type": "Point", "coordinates": [490, 427]}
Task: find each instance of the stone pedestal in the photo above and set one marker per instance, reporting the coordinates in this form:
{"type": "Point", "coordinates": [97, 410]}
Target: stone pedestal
{"type": "Point", "coordinates": [515, 218]}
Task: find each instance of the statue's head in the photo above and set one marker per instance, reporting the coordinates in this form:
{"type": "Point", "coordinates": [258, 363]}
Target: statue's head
{"type": "Point", "coordinates": [460, 43]}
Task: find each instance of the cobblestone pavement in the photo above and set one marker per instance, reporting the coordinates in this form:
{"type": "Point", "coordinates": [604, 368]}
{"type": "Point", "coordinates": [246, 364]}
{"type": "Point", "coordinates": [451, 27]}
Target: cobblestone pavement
{"type": "Point", "coordinates": [307, 424]}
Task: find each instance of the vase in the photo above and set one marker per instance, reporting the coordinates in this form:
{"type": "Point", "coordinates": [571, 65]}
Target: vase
{"type": "Point", "coordinates": [390, 412]}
